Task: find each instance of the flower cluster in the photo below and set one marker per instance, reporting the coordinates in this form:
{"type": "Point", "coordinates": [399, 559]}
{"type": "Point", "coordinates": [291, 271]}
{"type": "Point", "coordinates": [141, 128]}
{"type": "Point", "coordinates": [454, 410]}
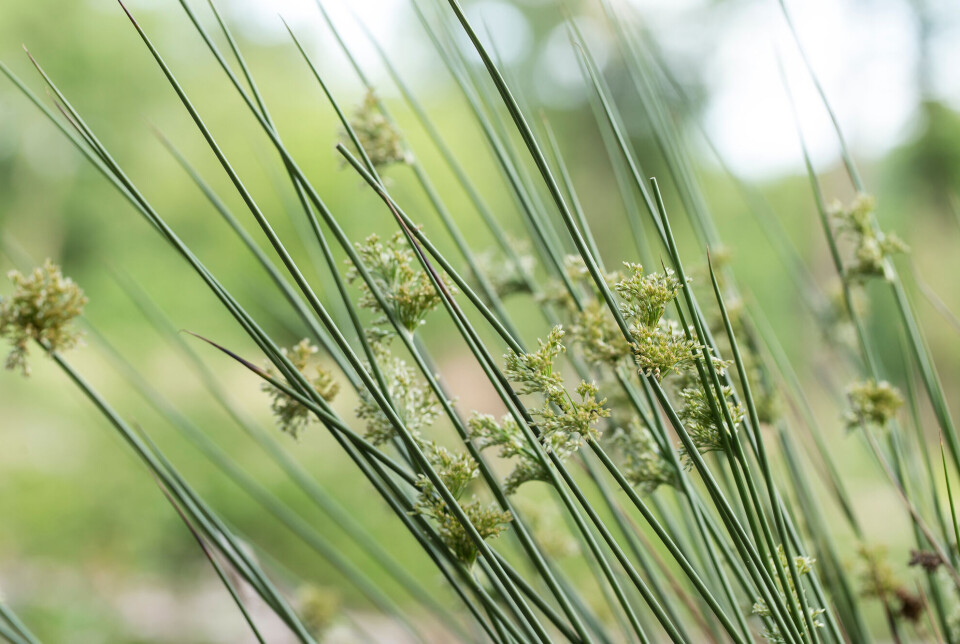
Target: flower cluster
{"type": "Point", "coordinates": [663, 349]}
{"type": "Point", "coordinates": [413, 402]}
{"type": "Point", "coordinates": [563, 420]}
{"type": "Point", "coordinates": [408, 291]}
{"type": "Point", "coordinates": [41, 308]}
{"type": "Point", "coordinates": [598, 336]}
{"type": "Point", "coordinates": [489, 522]}
{"type": "Point", "coordinates": [660, 346]}
{"type": "Point", "coordinates": [555, 292]}
{"type": "Point", "coordinates": [926, 559]}
{"type": "Point", "coordinates": [418, 408]}
{"type": "Point", "coordinates": [293, 416]}
{"type": "Point", "coordinates": [804, 566]}
{"type": "Point", "coordinates": [872, 247]}
{"type": "Point", "coordinates": [645, 297]}
{"type": "Point", "coordinates": [703, 426]}
{"type": "Point", "coordinates": [506, 276]}
{"type": "Point", "coordinates": [319, 608]}
{"type": "Point", "coordinates": [378, 137]}
{"type": "Point", "coordinates": [643, 464]}
{"type": "Point", "coordinates": [872, 403]}
{"type": "Point", "coordinates": [878, 581]}
{"type": "Point", "coordinates": [486, 432]}
{"type": "Point", "coordinates": [456, 470]}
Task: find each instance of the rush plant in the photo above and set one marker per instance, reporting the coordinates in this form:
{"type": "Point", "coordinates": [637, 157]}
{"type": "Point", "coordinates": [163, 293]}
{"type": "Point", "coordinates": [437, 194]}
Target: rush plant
{"type": "Point", "coordinates": [653, 413]}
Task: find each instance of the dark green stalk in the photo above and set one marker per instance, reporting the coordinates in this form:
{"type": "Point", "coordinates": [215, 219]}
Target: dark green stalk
{"type": "Point", "coordinates": [509, 398]}
{"type": "Point", "coordinates": [221, 574]}
{"type": "Point", "coordinates": [320, 497]}
{"type": "Point", "coordinates": [283, 513]}
{"type": "Point", "coordinates": [774, 497]}
{"type": "Point", "coordinates": [228, 546]}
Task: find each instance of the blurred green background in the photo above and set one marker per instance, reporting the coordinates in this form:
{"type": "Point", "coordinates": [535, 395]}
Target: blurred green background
{"type": "Point", "coordinates": [89, 549]}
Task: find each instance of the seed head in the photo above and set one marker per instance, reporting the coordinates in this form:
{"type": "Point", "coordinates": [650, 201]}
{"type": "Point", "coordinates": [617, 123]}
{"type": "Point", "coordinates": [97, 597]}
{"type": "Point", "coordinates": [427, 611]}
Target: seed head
{"type": "Point", "coordinates": [872, 403]}
{"type": "Point", "coordinates": [564, 421]}
{"type": "Point", "coordinates": [457, 470]}
{"type": "Point", "coordinates": [377, 135]}
{"type": "Point", "coordinates": [41, 308]}
{"type": "Point", "coordinates": [599, 337]}
{"type": "Point", "coordinates": [643, 464]}
{"type": "Point", "coordinates": [926, 559]}
{"type": "Point", "coordinates": [485, 431]}
{"type": "Point", "coordinates": [704, 428]}
{"type": "Point", "coordinates": [407, 291]}
{"type": "Point", "coordinates": [489, 522]}
{"type": "Point", "coordinates": [872, 247]}
{"type": "Point", "coordinates": [645, 297]}
{"type": "Point", "coordinates": [291, 415]}
{"type": "Point", "coordinates": [660, 346]}
{"type": "Point", "coordinates": [410, 398]}
{"type": "Point", "coordinates": [663, 349]}
{"type": "Point", "coordinates": [534, 371]}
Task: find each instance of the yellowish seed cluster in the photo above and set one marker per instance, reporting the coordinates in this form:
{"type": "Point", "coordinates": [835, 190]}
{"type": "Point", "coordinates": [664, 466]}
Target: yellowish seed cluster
{"type": "Point", "coordinates": [293, 416]}
{"type": "Point", "coordinates": [41, 308]}
{"type": "Point", "coordinates": [872, 403]}
{"type": "Point", "coordinates": [377, 135]}
{"type": "Point", "coordinates": [872, 247]}
{"type": "Point", "coordinates": [406, 288]}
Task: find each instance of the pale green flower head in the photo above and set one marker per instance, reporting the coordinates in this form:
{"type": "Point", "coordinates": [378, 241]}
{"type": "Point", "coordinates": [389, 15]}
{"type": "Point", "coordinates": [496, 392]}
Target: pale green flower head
{"type": "Point", "coordinates": [291, 415]}
{"type": "Point", "coordinates": [872, 403]}
{"type": "Point", "coordinates": [455, 469]}
{"type": "Point", "coordinates": [642, 463]}
{"type": "Point", "coordinates": [379, 138]}
{"type": "Point", "coordinates": [406, 288]}
{"type": "Point", "coordinates": [534, 371]}
{"type": "Point", "coordinates": [598, 336]}
{"type": "Point", "coordinates": [485, 431]}
{"type": "Point", "coordinates": [564, 421]}
{"type": "Point", "coordinates": [663, 349]}
{"type": "Point", "coordinates": [872, 247]}
{"type": "Point", "coordinates": [489, 522]}
{"type": "Point", "coordinates": [645, 297]}
{"type": "Point", "coordinates": [703, 426]}
{"type": "Point", "coordinates": [41, 308]}
{"type": "Point", "coordinates": [410, 398]}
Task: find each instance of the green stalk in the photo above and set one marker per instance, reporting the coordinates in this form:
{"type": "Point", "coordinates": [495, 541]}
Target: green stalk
{"type": "Point", "coordinates": [523, 419]}
{"type": "Point", "coordinates": [311, 488]}
{"type": "Point", "coordinates": [213, 562]}
{"type": "Point", "coordinates": [918, 345]}
{"type": "Point", "coordinates": [228, 546]}
{"type": "Point", "coordinates": [17, 631]}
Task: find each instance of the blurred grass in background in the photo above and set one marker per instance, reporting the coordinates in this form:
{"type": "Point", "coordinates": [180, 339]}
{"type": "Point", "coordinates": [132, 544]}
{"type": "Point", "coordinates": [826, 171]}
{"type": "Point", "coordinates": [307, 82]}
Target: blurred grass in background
{"type": "Point", "coordinates": [87, 541]}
